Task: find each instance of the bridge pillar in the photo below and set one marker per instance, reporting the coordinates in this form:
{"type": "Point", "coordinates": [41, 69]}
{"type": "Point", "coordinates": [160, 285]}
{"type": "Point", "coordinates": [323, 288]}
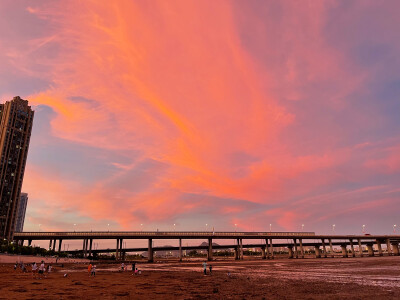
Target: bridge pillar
{"type": "Point", "coordinates": [180, 250]}
{"type": "Point", "coordinates": [317, 252]}
{"type": "Point", "coordinates": [90, 247]}
{"type": "Point", "coordinates": [121, 247]}
{"type": "Point", "coordinates": [378, 243]}
{"type": "Point", "coordinates": [344, 250]}
{"type": "Point", "coordinates": [267, 249]}
{"type": "Point", "coordinates": [29, 243]}
{"type": "Point", "coordinates": [290, 249]}
{"type": "Point", "coordinates": [296, 253]}
{"type": "Point", "coordinates": [353, 254]}
{"type": "Point", "coordinates": [360, 248]}
{"type": "Point", "coordinates": [331, 247]}
{"type": "Point", "coordinates": [324, 247]}
{"type": "Point", "coordinates": [209, 252]}
{"type": "Point", "coordinates": [117, 250]}
{"type": "Point", "coordinates": [241, 249]}
{"type": "Point", "coordinates": [59, 245]}
{"type": "Point", "coordinates": [50, 243]}
{"type": "Point", "coordinates": [370, 250]}
{"type": "Point", "coordinates": [237, 253]}
{"type": "Point", "coordinates": [301, 248]}
{"type": "Point", "coordinates": [272, 248]}
{"type": "Point", "coordinates": [389, 249]}
{"type": "Point", "coordinates": [150, 251]}
{"type": "Point", "coordinates": [395, 249]}
{"type": "Point", "coordinates": [263, 254]}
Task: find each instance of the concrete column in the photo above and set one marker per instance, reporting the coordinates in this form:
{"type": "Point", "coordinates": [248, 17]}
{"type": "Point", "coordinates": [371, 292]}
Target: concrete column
{"type": "Point", "coordinates": [378, 242]}
{"type": "Point", "coordinates": [210, 253]}
{"type": "Point", "coordinates": [180, 249]}
{"type": "Point", "coordinates": [117, 250]}
{"type": "Point", "coordinates": [360, 248]}
{"type": "Point", "coordinates": [344, 250]}
{"type": "Point", "coordinates": [290, 249]}
{"type": "Point", "coordinates": [395, 249]}
{"type": "Point", "coordinates": [237, 253]}
{"type": "Point", "coordinates": [317, 252]}
{"type": "Point", "coordinates": [90, 247]}
{"type": "Point", "coordinates": [301, 248]}
{"type": "Point", "coordinates": [241, 249]}
{"type": "Point", "coordinates": [331, 247]}
{"type": "Point", "coordinates": [296, 253]}
{"type": "Point", "coordinates": [29, 243]}
{"type": "Point", "coordinates": [267, 248]}
{"type": "Point", "coordinates": [54, 244]}
{"type": "Point", "coordinates": [272, 248]}
{"type": "Point", "coordinates": [50, 243]}
{"type": "Point", "coordinates": [353, 254]}
{"type": "Point", "coordinates": [324, 247]}
{"type": "Point", "coordinates": [264, 256]}
{"type": "Point", "coordinates": [389, 249]}
{"type": "Point", "coordinates": [150, 251]}
{"type": "Point", "coordinates": [59, 245]}
{"type": "Point", "coordinates": [370, 250]}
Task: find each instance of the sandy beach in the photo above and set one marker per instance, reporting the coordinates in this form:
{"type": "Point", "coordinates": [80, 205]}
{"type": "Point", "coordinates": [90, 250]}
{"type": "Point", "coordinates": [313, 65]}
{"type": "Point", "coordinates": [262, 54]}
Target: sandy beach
{"type": "Point", "coordinates": [351, 278]}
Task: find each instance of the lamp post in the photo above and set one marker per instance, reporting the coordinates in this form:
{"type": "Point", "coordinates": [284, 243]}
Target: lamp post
{"type": "Point", "coordinates": [270, 227]}
{"type": "Point", "coordinates": [302, 227]}
{"type": "Point", "coordinates": [333, 228]}
{"type": "Point", "coordinates": [141, 227]}
{"type": "Point", "coordinates": [74, 227]}
{"type": "Point", "coordinates": [363, 229]}
{"type": "Point", "coordinates": [206, 227]}
{"type": "Point", "coordinates": [394, 228]}
{"type": "Point", "coordinates": [174, 226]}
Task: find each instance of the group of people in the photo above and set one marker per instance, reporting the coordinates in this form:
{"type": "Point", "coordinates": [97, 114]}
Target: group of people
{"type": "Point", "coordinates": [205, 268]}
{"type": "Point", "coordinates": [38, 272]}
{"type": "Point", "coordinates": [92, 270]}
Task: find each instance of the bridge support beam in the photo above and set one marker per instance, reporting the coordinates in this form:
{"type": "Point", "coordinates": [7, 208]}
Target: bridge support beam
{"type": "Point", "coordinates": [290, 249]}
{"type": "Point", "coordinates": [267, 248]}
{"type": "Point", "coordinates": [317, 252]}
{"type": "Point", "coordinates": [360, 249]}
{"type": "Point", "coordinates": [150, 251]}
{"type": "Point", "coordinates": [344, 250]}
{"type": "Point", "coordinates": [370, 250]}
{"type": "Point", "coordinates": [237, 252]}
{"type": "Point", "coordinates": [180, 250]}
{"type": "Point", "coordinates": [353, 254]}
{"type": "Point", "coordinates": [301, 248]}
{"type": "Point", "coordinates": [59, 246]}
{"type": "Point", "coordinates": [378, 243]}
{"type": "Point", "coordinates": [117, 250]}
{"type": "Point", "coordinates": [90, 247]}
{"type": "Point", "coordinates": [389, 249]}
{"type": "Point", "coordinates": [395, 249]}
{"type": "Point", "coordinates": [50, 243]}
{"type": "Point", "coordinates": [263, 254]}
{"type": "Point", "coordinates": [296, 253]}
{"type": "Point", "coordinates": [331, 247]}
{"type": "Point", "coordinates": [209, 252]}
{"type": "Point", "coordinates": [272, 248]}
{"type": "Point", "coordinates": [324, 247]}
{"type": "Point", "coordinates": [241, 249]}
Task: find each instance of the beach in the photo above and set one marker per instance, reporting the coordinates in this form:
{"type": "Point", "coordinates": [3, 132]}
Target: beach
{"type": "Point", "coordinates": [351, 278]}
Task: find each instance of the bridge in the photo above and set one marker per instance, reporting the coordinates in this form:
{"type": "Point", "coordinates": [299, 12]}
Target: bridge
{"type": "Point", "coordinates": [294, 242]}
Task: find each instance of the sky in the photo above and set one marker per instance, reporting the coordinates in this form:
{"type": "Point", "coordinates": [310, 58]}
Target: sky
{"type": "Point", "coordinates": [232, 115]}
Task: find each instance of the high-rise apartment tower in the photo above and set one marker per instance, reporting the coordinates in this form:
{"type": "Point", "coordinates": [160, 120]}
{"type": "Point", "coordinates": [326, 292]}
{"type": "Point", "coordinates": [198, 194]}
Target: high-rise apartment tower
{"type": "Point", "coordinates": [19, 223]}
{"type": "Point", "coordinates": [16, 119]}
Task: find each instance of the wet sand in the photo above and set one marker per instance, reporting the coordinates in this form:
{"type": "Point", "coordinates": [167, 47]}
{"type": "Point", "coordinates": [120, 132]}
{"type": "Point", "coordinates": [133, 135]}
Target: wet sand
{"type": "Point", "coordinates": [350, 278]}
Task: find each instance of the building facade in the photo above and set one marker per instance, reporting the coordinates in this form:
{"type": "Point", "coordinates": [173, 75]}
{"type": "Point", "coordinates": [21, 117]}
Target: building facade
{"type": "Point", "coordinates": [16, 119]}
{"type": "Point", "coordinates": [23, 201]}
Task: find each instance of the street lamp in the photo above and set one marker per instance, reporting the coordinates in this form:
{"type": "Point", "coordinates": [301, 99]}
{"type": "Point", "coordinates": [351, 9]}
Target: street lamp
{"type": "Point", "coordinates": [141, 227]}
{"type": "Point", "coordinates": [302, 227]}
{"type": "Point", "coordinates": [108, 227]}
{"type": "Point", "coordinates": [394, 228]}
{"type": "Point", "coordinates": [270, 227]}
{"type": "Point", "coordinates": [363, 229]}
{"type": "Point", "coordinates": [333, 228]}
{"type": "Point", "coordinates": [206, 227]}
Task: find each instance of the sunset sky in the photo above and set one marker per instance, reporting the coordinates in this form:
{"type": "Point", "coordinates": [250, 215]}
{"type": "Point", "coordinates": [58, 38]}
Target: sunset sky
{"type": "Point", "coordinates": [208, 112]}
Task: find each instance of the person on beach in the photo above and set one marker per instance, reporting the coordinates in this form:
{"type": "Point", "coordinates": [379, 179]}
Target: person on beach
{"type": "Point", "coordinates": [210, 269]}
{"type": "Point", "coordinates": [15, 266]}
{"type": "Point", "coordinates": [93, 271]}
{"type": "Point", "coordinates": [133, 267]}
{"type": "Point", "coordinates": [205, 267]}
{"type": "Point", "coordinates": [41, 270]}
{"type": "Point", "coordinates": [136, 271]}
{"type": "Point", "coordinates": [122, 267]}
{"type": "Point", "coordinates": [34, 270]}
{"type": "Point", "coordinates": [89, 269]}
{"type": "Point", "coordinates": [49, 268]}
